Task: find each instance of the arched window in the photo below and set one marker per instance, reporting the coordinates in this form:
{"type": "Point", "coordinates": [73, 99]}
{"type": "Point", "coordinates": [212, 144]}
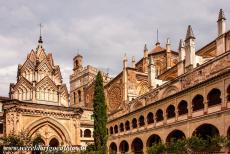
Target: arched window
{"type": "Point", "coordinates": [113, 148]}
{"type": "Point", "coordinates": [214, 97]}
{"type": "Point", "coordinates": [115, 129]}
{"type": "Point", "coordinates": [121, 127]}
{"type": "Point", "coordinates": [54, 142]}
{"type": "Point", "coordinates": [111, 130]}
{"type": "Point", "coordinates": [182, 107]}
{"type": "Point", "coordinates": [159, 115]}
{"type": "Point", "coordinates": [134, 123]}
{"type": "Point", "coordinates": [87, 133]}
{"type": "Point", "coordinates": [150, 119]}
{"type": "Point", "coordinates": [79, 95]}
{"type": "Point", "coordinates": [74, 97]}
{"type": "Point", "coordinates": [141, 121]}
{"type": "Point", "coordinates": [197, 103]}
{"type": "Point", "coordinates": [127, 125]}
{"type": "Point", "coordinates": [80, 133]}
{"type": "Point", "coordinates": [170, 111]}
{"type": "Point", "coordinates": [228, 93]}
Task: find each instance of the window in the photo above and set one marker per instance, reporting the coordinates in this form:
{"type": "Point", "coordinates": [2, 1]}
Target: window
{"type": "Point", "coordinates": [134, 123]}
{"type": "Point", "coordinates": [111, 130]}
{"type": "Point", "coordinates": [183, 107]}
{"type": "Point", "coordinates": [127, 125]}
{"type": "Point", "coordinates": [141, 121]}
{"type": "Point", "coordinates": [74, 97]}
{"type": "Point", "coordinates": [170, 111]}
{"type": "Point", "coordinates": [87, 133]}
{"type": "Point", "coordinates": [150, 119]}
{"type": "Point", "coordinates": [197, 103]}
{"type": "Point", "coordinates": [214, 97]}
{"type": "Point", "coordinates": [116, 129]}
{"type": "Point", "coordinates": [121, 127]}
{"type": "Point", "coordinates": [159, 115]}
{"type": "Point", "coordinates": [79, 95]}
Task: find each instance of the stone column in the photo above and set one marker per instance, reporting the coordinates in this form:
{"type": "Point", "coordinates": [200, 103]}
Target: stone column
{"type": "Point", "coordinates": [177, 114]}
{"type": "Point", "coordinates": [206, 107]}
{"type": "Point", "coordinates": [190, 109]}
{"type": "Point", "coordinates": [77, 130]}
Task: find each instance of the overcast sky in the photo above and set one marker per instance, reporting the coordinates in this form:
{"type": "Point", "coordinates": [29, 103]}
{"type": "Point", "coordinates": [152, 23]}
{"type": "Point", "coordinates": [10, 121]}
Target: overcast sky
{"type": "Point", "coordinates": [102, 30]}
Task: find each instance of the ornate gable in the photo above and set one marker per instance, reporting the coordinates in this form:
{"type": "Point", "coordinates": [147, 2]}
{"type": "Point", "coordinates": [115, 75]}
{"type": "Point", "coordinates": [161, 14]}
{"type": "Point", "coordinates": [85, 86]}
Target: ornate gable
{"type": "Point", "coordinates": [45, 66]}
{"type": "Point", "coordinates": [46, 83]}
{"type": "Point", "coordinates": [23, 82]}
{"type": "Point", "coordinates": [41, 54]}
{"type": "Point", "coordinates": [32, 56]}
{"type": "Point", "coordinates": [27, 66]}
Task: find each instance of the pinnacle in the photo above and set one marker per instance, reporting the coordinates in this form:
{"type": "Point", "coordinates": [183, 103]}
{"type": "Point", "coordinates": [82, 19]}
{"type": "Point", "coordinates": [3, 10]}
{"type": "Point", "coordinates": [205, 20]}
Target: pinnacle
{"type": "Point", "coordinates": [221, 15]}
{"type": "Point", "coordinates": [189, 33]}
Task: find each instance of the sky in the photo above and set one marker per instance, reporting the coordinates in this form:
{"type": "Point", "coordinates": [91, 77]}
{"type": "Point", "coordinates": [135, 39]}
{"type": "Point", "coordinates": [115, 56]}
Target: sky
{"type": "Point", "coordinates": [100, 30]}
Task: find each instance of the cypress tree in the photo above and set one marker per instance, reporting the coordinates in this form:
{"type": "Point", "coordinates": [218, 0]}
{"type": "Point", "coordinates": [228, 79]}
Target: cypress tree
{"type": "Point", "coordinates": [100, 116]}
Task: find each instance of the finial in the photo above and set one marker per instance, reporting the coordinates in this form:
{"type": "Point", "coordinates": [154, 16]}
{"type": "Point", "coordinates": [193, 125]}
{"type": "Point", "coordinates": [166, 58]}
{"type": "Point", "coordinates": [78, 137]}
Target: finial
{"type": "Point", "coordinates": [145, 47]}
{"type": "Point", "coordinates": [221, 15]}
{"type": "Point", "coordinates": [189, 33]}
{"type": "Point", "coordinates": [40, 37]}
{"type": "Point", "coordinates": [157, 43]}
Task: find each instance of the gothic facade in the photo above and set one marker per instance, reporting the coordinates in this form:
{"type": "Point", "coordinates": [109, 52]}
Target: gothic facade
{"type": "Point", "coordinates": [170, 94]}
{"type": "Point", "coordinates": [38, 102]}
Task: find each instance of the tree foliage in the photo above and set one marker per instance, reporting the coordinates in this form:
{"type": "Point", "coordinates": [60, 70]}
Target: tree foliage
{"type": "Point", "coordinates": [189, 145]}
{"type": "Point", "coordinates": [100, 116]}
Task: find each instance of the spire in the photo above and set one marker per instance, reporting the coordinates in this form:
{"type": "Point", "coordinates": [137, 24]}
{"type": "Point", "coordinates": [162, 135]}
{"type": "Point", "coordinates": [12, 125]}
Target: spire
{"type": "Point", "coordinates": [157, 43]}
{"type": "Point", "coordinates": [221, 15]}
{"type": "Point", "coordinates": [40, 38]}
{"type": "Point", "coordinates": [189, 33]}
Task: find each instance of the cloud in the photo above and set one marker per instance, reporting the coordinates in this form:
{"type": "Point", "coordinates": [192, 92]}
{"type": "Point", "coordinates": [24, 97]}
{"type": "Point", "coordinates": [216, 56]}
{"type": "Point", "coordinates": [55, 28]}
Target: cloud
{"type": "Point", "coordinates": [101, 30]}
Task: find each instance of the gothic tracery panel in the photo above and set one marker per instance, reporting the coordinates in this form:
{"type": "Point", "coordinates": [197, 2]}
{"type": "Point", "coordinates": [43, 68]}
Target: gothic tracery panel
{"type": "Point", "coordinates": [114, 97]}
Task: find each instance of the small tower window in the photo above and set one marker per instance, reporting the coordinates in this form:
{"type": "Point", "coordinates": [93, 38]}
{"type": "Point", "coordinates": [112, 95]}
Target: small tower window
{"type": "Point", "coordinates": [74, 97]}
{"type": "Point", "coordinates": [79, 95]}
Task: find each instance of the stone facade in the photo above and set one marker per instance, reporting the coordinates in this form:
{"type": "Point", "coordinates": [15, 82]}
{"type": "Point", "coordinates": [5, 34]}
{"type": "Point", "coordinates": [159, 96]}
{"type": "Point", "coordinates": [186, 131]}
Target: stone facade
{"type": "Point", "coordinates": [186, 93]}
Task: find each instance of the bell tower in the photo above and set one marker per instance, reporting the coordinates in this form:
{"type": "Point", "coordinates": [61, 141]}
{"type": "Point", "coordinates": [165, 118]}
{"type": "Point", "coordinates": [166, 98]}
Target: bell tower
{"type": "Point", "coordinates": [77, 62]}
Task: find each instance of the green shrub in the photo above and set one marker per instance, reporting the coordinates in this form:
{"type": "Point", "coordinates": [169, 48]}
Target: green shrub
{"type": "Point", "coordinates": [157, 148]}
